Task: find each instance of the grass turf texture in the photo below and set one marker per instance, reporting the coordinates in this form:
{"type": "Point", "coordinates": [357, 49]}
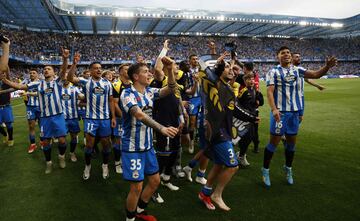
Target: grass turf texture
{"type": "Point", "coordinates": [326, 177]}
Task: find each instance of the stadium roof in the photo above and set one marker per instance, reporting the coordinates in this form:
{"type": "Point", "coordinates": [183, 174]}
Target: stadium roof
{"type": "Point", "coordinates": [61, 16]}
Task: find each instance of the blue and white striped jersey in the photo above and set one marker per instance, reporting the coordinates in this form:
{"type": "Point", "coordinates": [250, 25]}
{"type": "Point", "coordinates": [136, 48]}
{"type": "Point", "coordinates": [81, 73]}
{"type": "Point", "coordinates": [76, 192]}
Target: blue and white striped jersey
{"type": "Point", "coordinates": [32, 101]}
{"type": "Point", "coordinates": [49, 94]}
{"type": "Point", "coordinates": [194, 71]}
{"type": "Point", "coordinates": [288, 93]}
{"type": "Point", "coordinates": [83, 108]}
{"type": "Point", "coordinates": [97, 95]}
{"type": "Point", "coordinates": [69, 97]}
{"type": "Point", "coordinates": [137, 136]}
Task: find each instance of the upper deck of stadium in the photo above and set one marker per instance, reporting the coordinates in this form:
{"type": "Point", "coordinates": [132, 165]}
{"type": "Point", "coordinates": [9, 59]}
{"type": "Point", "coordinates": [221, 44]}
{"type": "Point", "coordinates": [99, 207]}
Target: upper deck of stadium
{"type": "Point", "coordinates": [60, 16]}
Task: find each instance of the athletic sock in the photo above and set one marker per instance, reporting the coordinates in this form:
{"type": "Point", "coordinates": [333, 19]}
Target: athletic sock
{"type": "Point", "coordinates": [32, 138]}
{"type": "Point", "coordinates": [267, 157]}
{"type": "Point", "coordinates": [207, 191]}
{"type": "Point", "coordinates": [3, 131]}
{"type": "Point", "coordinates": [141, 206]}
{"type": "Point", "coordinates": [10, 131]}
{"type": "Point", "coordinates": [88, 152]}
{"type": "Point", "coordinates": [62, 148]}
{"type": "Point", "coordinates": [73, 144]}
{"type": "Point", "coordinates": [193, 163]}
{"type": "Point", "coordinates": [47, 152]}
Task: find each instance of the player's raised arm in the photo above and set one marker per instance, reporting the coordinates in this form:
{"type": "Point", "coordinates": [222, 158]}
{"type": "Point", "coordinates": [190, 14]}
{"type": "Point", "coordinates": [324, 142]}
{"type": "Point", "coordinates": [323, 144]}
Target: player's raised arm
{"type": "Point", "coordinates": [159, 73]}
{"type": "Point", "coordinates": [330, 62]}
{"type": "Point", "coordinates": [14, 85]}
{"type": "Point", "coordinates": [65, 53]}
{"type": "Point", "coordinates": [169, 68]}
{"type": "Point", "coordinates": [71, 75]}
{"type": "Point", "coordinates": [4, 60]}
{"type": "Point", "coordinates": [312, 83]}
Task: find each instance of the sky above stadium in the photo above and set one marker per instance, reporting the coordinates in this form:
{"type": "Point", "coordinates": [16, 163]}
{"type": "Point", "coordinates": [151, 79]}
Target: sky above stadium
{"type": "Point", "coordinates": [310, 8]}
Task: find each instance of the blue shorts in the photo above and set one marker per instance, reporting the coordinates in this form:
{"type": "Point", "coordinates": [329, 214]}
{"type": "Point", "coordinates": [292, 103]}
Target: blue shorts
{"type": "Point", "coordinates": [117, 131]}
{"type": "Point", "coordinates": [194, 105]}
{"type": "Point", "coordinates": [81, 114]}
{"type": "Point", "coordinates": [101, 128]}
{"type": "Point", "coordinates": [33, 112]}
{"type": "Point", "coordinates": [138, 164]}
{"type": "Point", "coordinates": [53, 126]}
{"type": "Point", "coordinates": [224, 154]}
{"type": "Point", "coordinates": [6, 115]}
{"type": "Point", "coordinates": [72, 125]}
{"type": "Point", "coordinates": [289, 124]}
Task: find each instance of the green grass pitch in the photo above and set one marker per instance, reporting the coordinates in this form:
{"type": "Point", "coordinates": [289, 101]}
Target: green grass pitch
{"type": "Point", "coordinates": [326, 174]}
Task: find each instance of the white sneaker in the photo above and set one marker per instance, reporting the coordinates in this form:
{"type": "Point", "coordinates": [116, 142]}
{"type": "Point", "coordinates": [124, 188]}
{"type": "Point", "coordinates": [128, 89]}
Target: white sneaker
{"type": "Point", "coordinates": [48, 167]}
{"type": "Point", "coordinates": [62, 163]}
{"type": "Point", "coordinates": [73, 157]}
{"type": "Point", "coordinates": [86, 174]}
{"type": "Point", "coordinates": [56, 140]}
{"type": "Point", "coordinates": [187, 170]}
{"type": "Point", "coordinates": [171, 186]}
{"type": "Point", "coordinates": [191, 147]}
{"type": "Point", "coordinates": [157, 198]}
{"type": "Point", "coordinates": [243, 161]}
{"type": "Point", "coordinates": [118, 167]}
{"type": "Point", "coordinates": [201, 180]}
{"type": "Point", "coordinates": [105, 171]}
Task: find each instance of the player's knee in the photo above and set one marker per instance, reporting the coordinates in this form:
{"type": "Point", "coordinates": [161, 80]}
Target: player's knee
{"type": "Point", "coordinates": [154, 182]}
{"type": "Point", "coordinates": [136, 188]}
{"type": "Point", "coordinates": [62, 140]}
{"type": "Point", "coordinates": [271, 147]}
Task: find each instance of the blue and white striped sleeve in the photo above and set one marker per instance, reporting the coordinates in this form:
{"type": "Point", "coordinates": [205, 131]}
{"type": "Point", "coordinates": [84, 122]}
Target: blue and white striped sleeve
{"type": "Point", "coordinates": [301, 71]}
{"type": "Point", "coordinates": [270, 77]}
{"type": "Point", "coordinates": [33, 85]}
{"type": "Point", "coordinates": [128, 100]}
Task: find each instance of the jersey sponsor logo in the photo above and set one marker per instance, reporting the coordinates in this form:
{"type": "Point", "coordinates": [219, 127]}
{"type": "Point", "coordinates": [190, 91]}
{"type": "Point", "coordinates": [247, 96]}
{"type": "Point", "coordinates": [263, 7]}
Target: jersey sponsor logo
{"type": "Point", "coordinates": [49, 91]}
{"type": "Point", "coordinates": [290, 78]}
{"type": "Point", "coordinates": [98, 90]}
{"type": "Point", "coordinates": [65, 97]}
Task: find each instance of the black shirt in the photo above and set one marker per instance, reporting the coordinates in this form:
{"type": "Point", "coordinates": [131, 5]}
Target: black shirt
{"type": "Point", "coordinates": [166, 109]}
{"type": "Point", "coordinates": [4, 98]}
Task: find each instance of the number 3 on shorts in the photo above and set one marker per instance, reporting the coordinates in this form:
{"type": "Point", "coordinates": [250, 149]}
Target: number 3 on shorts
{"type": "Point", "coordinates": [135, 164]}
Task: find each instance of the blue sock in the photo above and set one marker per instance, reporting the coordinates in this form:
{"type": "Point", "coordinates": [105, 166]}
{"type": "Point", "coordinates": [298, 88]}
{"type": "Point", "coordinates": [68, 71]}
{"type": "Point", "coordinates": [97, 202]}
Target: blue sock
{"type": "Point", "coordinates": [62, 148]}
{"type": "Point", "coordinates": [200, 174]}
{"type": "Point", "coordinates": [32, 139]}
{"type": "Point", "coordinates": [206, 190]}
{"type": "Point", "coordinates": [193, 163]}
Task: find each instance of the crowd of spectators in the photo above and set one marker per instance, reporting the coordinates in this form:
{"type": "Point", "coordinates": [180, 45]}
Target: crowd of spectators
{"type": "Point", "coordinates": [46, 46]}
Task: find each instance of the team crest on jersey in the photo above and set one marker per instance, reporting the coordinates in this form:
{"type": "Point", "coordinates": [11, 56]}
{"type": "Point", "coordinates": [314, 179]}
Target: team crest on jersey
{"type": "Point", "coordinates": [127, 100]}
{"type": "Point", "coordinates": [65, 97]}
{"type": "Point", "coordinates": [49, 90]}
{"type": "Point", "coordinates": [98, 90]}
{"type": "Point", "coordinates": [135, 174]}
{"type": "Point", "coordinates": [232, 161]}
{"type": "Point", "coordinates": [150, 95]}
